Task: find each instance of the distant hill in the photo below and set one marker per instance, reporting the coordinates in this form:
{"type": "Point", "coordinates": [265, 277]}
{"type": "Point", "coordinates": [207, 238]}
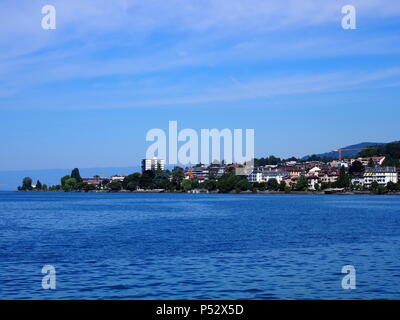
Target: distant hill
{"type": "Point", "coordinates": [391, 152]}
{"type": "Point", "coordinates": [335, 155]}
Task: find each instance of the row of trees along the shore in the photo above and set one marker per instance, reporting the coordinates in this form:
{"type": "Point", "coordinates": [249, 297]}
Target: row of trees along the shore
{"type": "Point", "coordinates": [174, 181]}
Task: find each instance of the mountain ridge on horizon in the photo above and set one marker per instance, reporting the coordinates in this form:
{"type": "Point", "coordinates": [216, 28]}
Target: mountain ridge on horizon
{"type": "Point", "coordinates": [360, 146]}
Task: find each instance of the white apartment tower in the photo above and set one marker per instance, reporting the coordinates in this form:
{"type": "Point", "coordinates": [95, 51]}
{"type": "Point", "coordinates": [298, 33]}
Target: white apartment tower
{"type": "Point", "coordinates": [153, 164]}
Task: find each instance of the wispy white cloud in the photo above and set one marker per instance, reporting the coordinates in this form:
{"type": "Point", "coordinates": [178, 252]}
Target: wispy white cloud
{"type": "Point", "coordinates": [99, 39]}
{"type": "Point", "coordinates": [139, 94]}
{"type": "Point", "coordinates": [79, 18]}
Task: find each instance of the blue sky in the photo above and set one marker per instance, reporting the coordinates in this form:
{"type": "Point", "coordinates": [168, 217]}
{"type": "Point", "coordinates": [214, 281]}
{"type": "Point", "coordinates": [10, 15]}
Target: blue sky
{"type": "Point", "coordinates": [85, 94]}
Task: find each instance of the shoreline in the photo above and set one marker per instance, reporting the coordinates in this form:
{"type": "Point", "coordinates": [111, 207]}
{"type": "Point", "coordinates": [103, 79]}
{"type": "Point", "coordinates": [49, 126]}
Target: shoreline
{"type": "Point", "coordinates": [233, 192]}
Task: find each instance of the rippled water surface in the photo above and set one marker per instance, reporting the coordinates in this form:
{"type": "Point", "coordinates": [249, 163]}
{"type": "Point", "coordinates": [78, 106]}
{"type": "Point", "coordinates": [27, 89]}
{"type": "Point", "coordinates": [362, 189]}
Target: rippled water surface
{"type": "Point", "coordinates": [183, 246]}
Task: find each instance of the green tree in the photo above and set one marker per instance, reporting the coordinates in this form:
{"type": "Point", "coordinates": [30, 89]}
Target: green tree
{"type": "Point", "coordinates": [371, 163]}
{"type": "Point", "coordinates": [26, 184]}
{"type": "Point", "coordinates": [64, 179]}
{"type": "Point", "coordinates": [381, 190]}
{"type": "Point", "coordinates": [161, 180]}
{"type": "Point", "coordinates": [356, 167]}
{"type": "Point", "coordinates": [343, 180]}
{"type": "Point", "coordinates": [132, 186]}
{"type": "Point", "coordinates": [187, 185]}
{"type": "Point", "coordinates": [271, 160]}
{"type": "Point", "coordinates": [262, 186]}
{"type": "Point", "coordinates": [229, 182]}
{"type": "Point", "coordinates": [38, 185]}
{"type": "Point", "coordinates": [146, 179]}
{"type": "Point", "coordinates": [325, 185]}
{"type": "Point", "coordinates": [301, 184]}
{"type": "Point", "coordinates": [115, 186]}
{"type": "Point", "coordinates": [80, 186]}
{"type": "Point", "coordinates": [88, 187]}
{"type": "Point", "coordinates": [272, 184]}
{"type": "Point", "coordinates": [282, 186]}
{"type": "Point", "coordinates": [391, 186]}
{"type": "Point", "coordinates": [133, 180]}
{"type": "Point", "coordinates": [390, 162]}
{"type": "Point", "coordinates": [177, 177]}
{"type": "Point", "coordinates": [210, 185]}
{"type": "Point", "coordinates": [389, 150]}
{"type": "Point", "coordinates": [377, 188]}
{"type": "Point", "coordinates": [69, 185]}
{"type": "Point", "coordinates": [195, 184]}
{"type": "Point", "coordinates": [55, 188]}
{"type": "Point", "coordinates": [322, 159]}
{"type": "Point", "coordinates": [374, 186]}
{"type": "Point", "coordinates": [76, 175]}
{"type": "Point", "coordinates": [243, 185]}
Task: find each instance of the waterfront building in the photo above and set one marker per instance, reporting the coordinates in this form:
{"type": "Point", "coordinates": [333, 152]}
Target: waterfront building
{"type": "Point", "coordinates": [378, 161]}
{"type": "Point", "coordinates": [381, 175]}
{"type": "Point", "coordinates": [256, 175]}
{"type": "Point", "coordinates": [293, 171]}
{"type": "Point", "coordinates": [153, 164]}
{"type": "Point", "coordinates": [95, 180]}
{"type": "Point", "coordinates": [312, 182]}
{"type": "Point", "coordinates": [328, 176]}
{"type": "Point", "coordinates": [315, 171]}
{"type": "Point", "coordinates": [216, 172]}
{"type": "Point", "coordinates": [277, 175]}
{"type": "Point", "coordinates": [201, 173]}
{"type": "Point", "coordinates": [270, 167]}
{"type": "Point", "coordinates": [313, 164]}
{"type": "Point", "coordinates": [342, 163]}
{"type": "Point", "coordinates": [260, 175]}
{"type": "Point", "coordinates": [189, 174]}
{"type": "Point", "coordinates": [357, 179]}
{"type": "Point", "coordinates": [118, 178]}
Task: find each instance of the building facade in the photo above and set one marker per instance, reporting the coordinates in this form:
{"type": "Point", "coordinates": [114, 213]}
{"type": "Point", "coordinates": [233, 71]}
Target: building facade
{"type": "Point", "coordinates": [153, 164]}
{"type": "Point", "coordinates": [381, 175]}
{"type": "Point", "coordinates": [256, 175]}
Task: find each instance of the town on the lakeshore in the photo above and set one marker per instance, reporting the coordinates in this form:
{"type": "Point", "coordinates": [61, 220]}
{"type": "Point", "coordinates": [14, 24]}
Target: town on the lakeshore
{"type": "Point", "coordinates": [373, 170]}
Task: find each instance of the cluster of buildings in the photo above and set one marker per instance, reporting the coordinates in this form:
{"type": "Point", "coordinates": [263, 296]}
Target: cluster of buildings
{"type": "Point", "coordinates": [97, 181]}
{"type": "Point", "coordinates": [316, 172]}
{"type": "Point", "coordinates": [290, 171]}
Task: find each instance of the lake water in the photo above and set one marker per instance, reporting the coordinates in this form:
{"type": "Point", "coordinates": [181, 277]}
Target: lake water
{"type": "Point", "coordinates": [186, 246]}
